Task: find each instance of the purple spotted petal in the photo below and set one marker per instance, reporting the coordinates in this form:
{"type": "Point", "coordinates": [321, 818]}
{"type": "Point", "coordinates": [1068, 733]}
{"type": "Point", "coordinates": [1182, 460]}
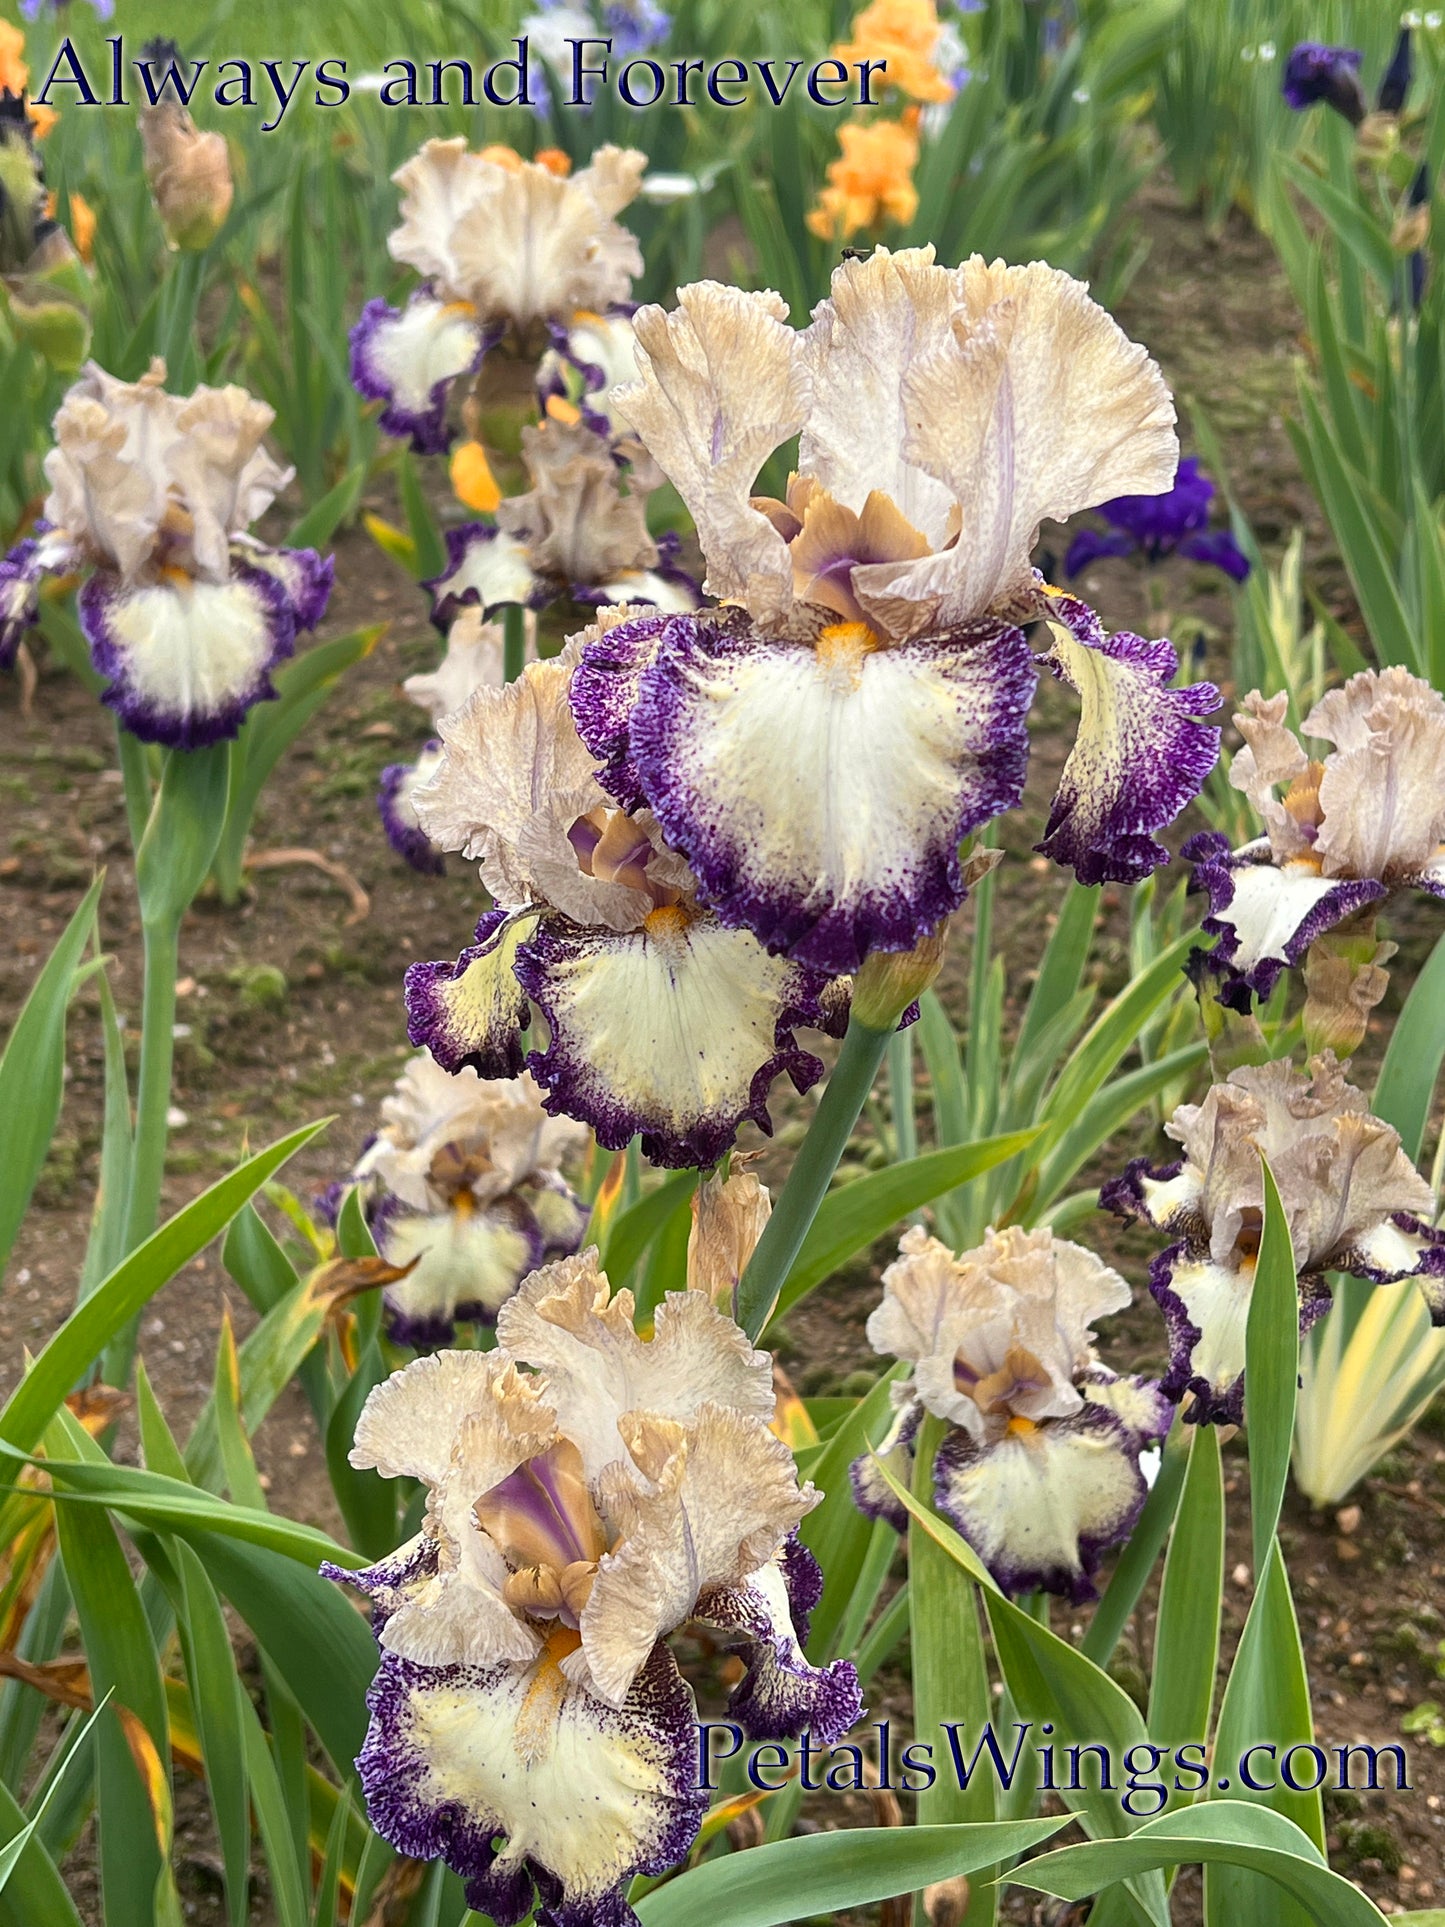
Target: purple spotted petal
{"type": "Point", "coordinates": [674, 1032]}
{"type": "Point", "coordinates": [780, 1696]}
{"type": "Point", "coordinates": [185, 663]}
{"type": "Point", "coordinates": [445, 1779]}
{"type": "Point", "coordinates": [1264, 915]}
{"type": "Point", "coordinates": [1139, 755]}
{"type": "Point", "coordinates": [390, 1581]}
{"type": "Point", "coordinates": [872, 1494]}
{"type": "Point", "coordinates": [473, 1012]}
{"type": "Point", "coordinates": [409, 357]}
{"type": "Point", "coordinates": [820, 795]}
{"type": "Point", "coordinates": [603, 694]}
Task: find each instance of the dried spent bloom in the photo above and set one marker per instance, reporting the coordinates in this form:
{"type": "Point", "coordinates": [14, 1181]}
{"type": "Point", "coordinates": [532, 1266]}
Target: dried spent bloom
{"type": "Point", "coordinates": [186, 613]}
{"type": "Point", "coordinates": [1156, 526]}
{"type": "Point", "coordinates": [474, 657]}
{"type": "Point", "coordinates": [504, 247]}
{"type": "Point", "coordinates": [189, 174]}
{"type": "Point", "coordinates": [906, 35]}
{"type": "Point", "coordinates": [1349, 831]}
{"type": "Point", "coordinates": [576, 532]}
{"type": "Point", "coordinates": [463, 1181]}
{"type": "Point", "coordinates": [1351, 1197]}
{"type": "Point", "coordinates": [659, 1019]}
{"type": "Point", "coordinates": [870, 182]}
{"type": "Point", "coordinates": [728, 1216]}
{"type": "Point", "coordinates": [1040, 1467]}
{"type": "Point", "coordinates": [589, 1493]}
{"type": "Point", "coordinates": [819, 749]}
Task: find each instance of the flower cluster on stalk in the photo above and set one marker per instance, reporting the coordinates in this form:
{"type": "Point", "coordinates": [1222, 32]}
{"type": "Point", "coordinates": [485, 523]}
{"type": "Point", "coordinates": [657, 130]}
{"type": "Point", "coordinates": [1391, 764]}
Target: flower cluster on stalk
{"type": "Point", "coordinates": [589, 1493]}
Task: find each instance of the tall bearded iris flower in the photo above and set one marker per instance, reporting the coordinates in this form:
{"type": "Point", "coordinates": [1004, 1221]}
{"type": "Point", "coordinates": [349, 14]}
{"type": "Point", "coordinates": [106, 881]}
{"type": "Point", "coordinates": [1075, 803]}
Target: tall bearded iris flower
{"type": "Point", "coordinates": [505, 248]}
{"type": "Point", "coordinates": [576, 532]}
{"type": "Point", "coordinates": [152, 494]}
{"type": "Point", "coordinates": [588, 1493]}
{"type": "Point", "coordinates": [817, 748]}
{"type": "Point", "coordinates": [660, 1019]}
{"type": "Point", "coordinates": [1155, 526]}
{"type": "Point", "coordinates": [463, 1183]}
{"type": "Point", "coordinates": [1039, 1469]}
{"type": "Point", "coordinates": [1351, 1197]}
{"type": "Point", "coordinates": [1349, 831]}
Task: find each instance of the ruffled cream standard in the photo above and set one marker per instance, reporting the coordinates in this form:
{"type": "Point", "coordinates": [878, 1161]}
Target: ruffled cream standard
{"type": "Point", "coordinates": [505, 248]}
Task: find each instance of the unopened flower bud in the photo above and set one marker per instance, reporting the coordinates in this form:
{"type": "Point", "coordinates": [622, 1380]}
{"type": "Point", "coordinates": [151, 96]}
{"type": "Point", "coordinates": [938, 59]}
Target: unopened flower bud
{"type": "Point", "coordinates": [1377, 138]}
{"type": "Point", "coordinates": [1344, 980]}
{"type": "Point", "coordinates": [727, 1220]}
{"type": "Point", "coordinates": [890, 980]}
{"type": "Point", "coordinates": [189, 174]}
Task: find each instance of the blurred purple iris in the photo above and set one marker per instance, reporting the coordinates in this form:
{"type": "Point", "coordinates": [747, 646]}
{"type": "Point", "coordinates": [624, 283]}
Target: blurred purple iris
{"type": "Point", "coordinates": [32, 9]}
{"type": "Point", "coordinates": [1158, 525]}
{"type": "Point", "coordinates": [1316, 73]}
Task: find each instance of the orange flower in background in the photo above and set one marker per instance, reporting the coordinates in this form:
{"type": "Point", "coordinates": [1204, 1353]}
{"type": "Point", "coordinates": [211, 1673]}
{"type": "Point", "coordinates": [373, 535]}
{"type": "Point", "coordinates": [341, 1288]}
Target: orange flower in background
{"type": "Point", "coordinates": [82, 226]}
{"type": "Point", "coordinates": [14, 73]}
{"type": "Point", "coordinates": [554, 160]}
{"type": "Point", "coordinates": [501, 156]}
{"type": "Point", "coordinates": [905, 34]}
{"type": "Point", "coordinates": [872, 179]}
{"type": "Point", "coordinates": [472, 480]}
{"type": "Point", "coordinates": [15, 77]}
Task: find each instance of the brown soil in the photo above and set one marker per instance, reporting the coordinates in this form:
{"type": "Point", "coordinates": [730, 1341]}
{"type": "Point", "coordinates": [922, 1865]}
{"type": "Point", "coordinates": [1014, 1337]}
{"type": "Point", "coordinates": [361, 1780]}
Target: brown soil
{"type": "Point", "coordinates": [288, 1013]}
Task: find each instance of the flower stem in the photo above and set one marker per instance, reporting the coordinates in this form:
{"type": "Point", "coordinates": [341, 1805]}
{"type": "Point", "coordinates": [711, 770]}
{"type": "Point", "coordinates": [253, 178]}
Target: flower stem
{"type": "Point", "coordinates": [153, 1102]}
{"type": "Point", "coordinates": [136, 779]}
{"type": "Point", "coordinates": [858, 1061]}
{"type": "Point", "coordinates": [514, 641]}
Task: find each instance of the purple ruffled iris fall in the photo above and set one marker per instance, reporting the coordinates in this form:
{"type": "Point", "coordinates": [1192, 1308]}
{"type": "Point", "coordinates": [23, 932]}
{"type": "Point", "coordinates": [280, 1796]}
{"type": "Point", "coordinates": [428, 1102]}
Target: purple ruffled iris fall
{"type": "Point", "coordinates": [1156, 526]}
{"type": "Point", "coordinates": [590, 1493]}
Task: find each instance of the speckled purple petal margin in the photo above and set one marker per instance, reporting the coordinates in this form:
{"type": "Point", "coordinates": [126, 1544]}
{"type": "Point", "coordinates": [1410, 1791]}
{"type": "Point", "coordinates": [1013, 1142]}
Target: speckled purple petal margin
{"type": "Point", "coordinates": [20, 576]}
{"type": "Point", "coordinates": [426, 429]}
{"type": "Point", "coordinates": [472, 1012]}
{"type": "Point", "coordinates": [1214, 867]}
{"type": "Point", "coordinates": [403, 832]}
{"type": "Point", "coordinates": [394, 1774]}
{"type": "Point", "coordinates": [781, 1696]}
{"type": "Point", "coordinates": [574, 1089]}
{"type": "Point", "coordinates": [991, 665]}
{"type": "Point", "coordinates": [603, 694]}
{"type": "Point", "coordinates": [1147, 759]}
{"type": "Point", "coordinates": [1017, 1577]}
{"type": "Point", "coordinates": [187, 727]}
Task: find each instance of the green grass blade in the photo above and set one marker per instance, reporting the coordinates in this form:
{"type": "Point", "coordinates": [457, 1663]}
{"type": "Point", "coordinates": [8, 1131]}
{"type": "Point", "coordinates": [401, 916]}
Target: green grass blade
{"type": "Point", "coordinates": [32, 1071]}
{"type": "Point", "coordinates": [216, 1695]}
{"type": "Point", "coordinates": [93, 1324]}
{"type": "Point", "coordinates": [1271, 1376]}
{"type": "Point", "coordinates": [1186, 1636]}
